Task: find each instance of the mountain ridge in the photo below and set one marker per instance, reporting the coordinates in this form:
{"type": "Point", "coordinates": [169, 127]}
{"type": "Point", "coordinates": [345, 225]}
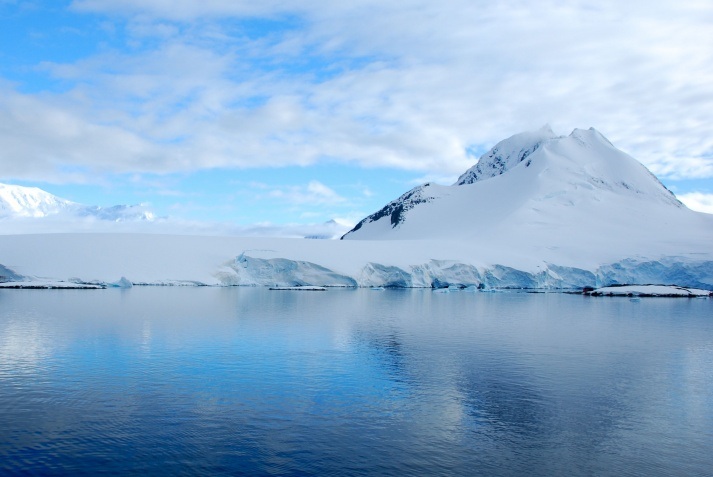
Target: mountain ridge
{"type": "Point", "coordinates": [521, 180]}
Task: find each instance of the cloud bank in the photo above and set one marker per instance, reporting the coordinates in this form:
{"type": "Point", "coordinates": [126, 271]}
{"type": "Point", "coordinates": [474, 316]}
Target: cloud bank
{"type": "Point", "coordinates": [180, 86]}
{"type": "Point", "coordinates": [698, 201]}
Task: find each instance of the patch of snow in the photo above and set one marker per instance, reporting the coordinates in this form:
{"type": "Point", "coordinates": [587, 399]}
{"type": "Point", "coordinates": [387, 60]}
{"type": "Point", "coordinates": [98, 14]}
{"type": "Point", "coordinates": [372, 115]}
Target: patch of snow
{"type": "Point", "coordinates": [650, 291]}
{"type": "Point", "coordinates": [123, 282]}
{"type": "Point", "coordinates": [280, 272]}
{"type": "Point", "coordinates": [32, 202]}
{"type": "Point", "coordinates": [116, 213]}
{"type": "Point", "coordinates": [18, 201]}
{"type": "Point", "coordinates": [49, 284]}
{"type": "Point", "coordinates": [301, 288]}
{"type": "Point", "coordinates": [7, 275]}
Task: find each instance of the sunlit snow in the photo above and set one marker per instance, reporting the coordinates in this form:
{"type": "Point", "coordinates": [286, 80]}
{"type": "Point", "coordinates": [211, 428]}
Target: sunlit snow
{"type": "Point", "coordinates": [537, 211]}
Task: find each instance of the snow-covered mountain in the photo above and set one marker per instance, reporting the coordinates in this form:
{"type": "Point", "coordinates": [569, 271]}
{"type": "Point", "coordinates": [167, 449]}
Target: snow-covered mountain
{"type": "Point", "coordinates": [18, 201]}
{"type": "Point", "coordinates": [542, 192]}
{"type": "Point", "coordinates": [32, 202]}
{"type": "Point", "coordinates": [30, 210]}
{"type": "Point", "coordinates": [537, 211]}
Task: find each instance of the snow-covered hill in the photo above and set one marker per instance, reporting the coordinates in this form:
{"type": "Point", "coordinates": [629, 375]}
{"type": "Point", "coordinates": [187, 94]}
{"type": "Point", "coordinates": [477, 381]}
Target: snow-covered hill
{"type": "Point", "coordinates": [32, 202]}
{"type": "Point", "coordinates": [537, 211]}
{"type": "Point", "coordinates": [18, 201]}
{"type": "Point", "coordinates": [554, 197]}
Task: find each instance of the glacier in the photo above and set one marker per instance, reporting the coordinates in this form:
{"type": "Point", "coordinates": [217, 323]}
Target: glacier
{"type": "Point", "coordinates": [125, 260]}
{"type": "Point", "coordinates": [448, 274]}
{"type": "Point", "coordinates": [280, 272]}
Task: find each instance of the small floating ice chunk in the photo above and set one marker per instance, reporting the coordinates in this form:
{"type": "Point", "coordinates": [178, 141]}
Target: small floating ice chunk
{"type": "Point", "coordinates": [123, 282]}
{"type": "Point", "coordinates": [300, 288]}
{"type": "Point", "coordinates": [637, 291]}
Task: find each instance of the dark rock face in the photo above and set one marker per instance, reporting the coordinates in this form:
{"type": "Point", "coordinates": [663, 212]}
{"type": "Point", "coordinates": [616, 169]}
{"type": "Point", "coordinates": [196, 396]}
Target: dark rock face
{"type": "Point", "coordinates": [504, 156]}
{"type": "Point", "coordinates": [396, 209]}
{"type": "Point", "coordinates": [493, 164]}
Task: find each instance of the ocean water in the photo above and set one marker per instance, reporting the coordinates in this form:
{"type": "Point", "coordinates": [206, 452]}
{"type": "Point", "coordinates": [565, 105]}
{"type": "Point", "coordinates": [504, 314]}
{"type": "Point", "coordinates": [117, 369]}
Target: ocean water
{"type": "Point", "coordinates": [247, 381]}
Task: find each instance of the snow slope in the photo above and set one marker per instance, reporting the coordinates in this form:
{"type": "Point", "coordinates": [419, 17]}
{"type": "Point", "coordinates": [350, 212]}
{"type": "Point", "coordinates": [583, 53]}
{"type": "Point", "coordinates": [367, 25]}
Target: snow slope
{"type": "Point", "coordinates": [567, 200]}
{"type": "Point", "coordinates": [17, 202]}
{"type": "Point", "coordinates": [651, 291]}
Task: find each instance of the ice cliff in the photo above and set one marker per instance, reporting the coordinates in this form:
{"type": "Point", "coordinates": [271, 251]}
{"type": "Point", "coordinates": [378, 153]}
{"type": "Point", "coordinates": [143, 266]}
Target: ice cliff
{"type": "Point", "coordinates": [443, 273]}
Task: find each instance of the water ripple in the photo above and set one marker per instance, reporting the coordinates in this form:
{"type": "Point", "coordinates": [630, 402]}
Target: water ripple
{"type": "Point", "coordinates": [248, 382]}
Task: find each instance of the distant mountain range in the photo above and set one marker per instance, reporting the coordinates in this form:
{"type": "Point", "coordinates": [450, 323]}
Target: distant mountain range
{"type": "Point", "coordinates": [32, 202]}
{"type": "Point", "coordinates": [32, 210]}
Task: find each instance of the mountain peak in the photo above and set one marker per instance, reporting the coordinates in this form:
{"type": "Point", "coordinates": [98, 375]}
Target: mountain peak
{"type": "Point", "coordinates": [589, 136]}
{"type": "Point", "coordinates": [20, 201]}
{"type": "Point", "coordinates": [32, 202]}
{"type": "Point", "coordinates": [506, 154]}
{"type": "Point", "coordinates": [547, 129]}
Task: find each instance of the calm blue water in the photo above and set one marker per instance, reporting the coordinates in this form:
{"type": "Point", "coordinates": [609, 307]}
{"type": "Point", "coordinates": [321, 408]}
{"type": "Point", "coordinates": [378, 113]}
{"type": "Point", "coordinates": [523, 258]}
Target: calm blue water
{"type": "Point", "coordinates": [350, 382]}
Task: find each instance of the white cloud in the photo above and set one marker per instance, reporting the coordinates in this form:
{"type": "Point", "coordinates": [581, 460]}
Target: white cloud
{"type": "Point", "coordinates": [699, 201]}
{"type": "Point", "coordinates": [174, 226]}
{"type": "Point", "coordinates": [314, 193]}
{"type": "Point", "coordinates": [181, 9]}
{"type": "Point", "coordinates": [43, 139]}
{"type": "Point", "coordinates": [408, 84]}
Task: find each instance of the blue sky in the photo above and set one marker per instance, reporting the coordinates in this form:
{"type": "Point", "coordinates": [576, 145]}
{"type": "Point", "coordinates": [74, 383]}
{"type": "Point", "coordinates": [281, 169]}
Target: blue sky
{"type": "Point", "coordinates": [301, 112]}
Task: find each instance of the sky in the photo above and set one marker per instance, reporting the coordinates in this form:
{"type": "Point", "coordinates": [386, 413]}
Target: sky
{"type": "Point", "coordinates": [300, 112]}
